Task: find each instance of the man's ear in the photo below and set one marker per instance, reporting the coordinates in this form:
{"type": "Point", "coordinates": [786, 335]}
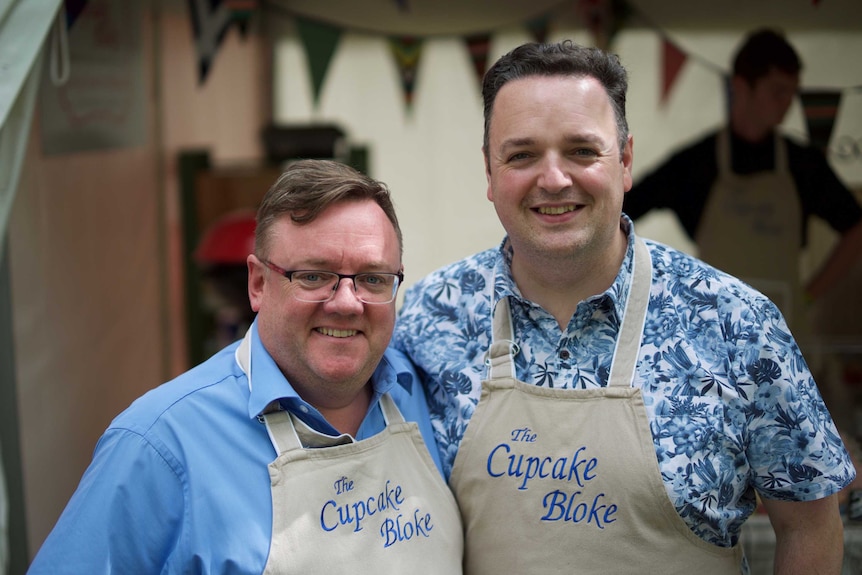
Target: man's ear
{"type": "Point", "coordinates": [489, 193]}
{"type": "Point", "coordinates": [256, 280]}
{"type": "Point", "coordinates": [627, 158]}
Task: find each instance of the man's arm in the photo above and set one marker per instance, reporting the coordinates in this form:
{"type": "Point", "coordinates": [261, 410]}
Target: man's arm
{"type": "Point", "coordinates": [123, 516]}
{"type": "Point", "coordinates": [809, 536]}
{"type": "Point", "coordinates": [840, 260]}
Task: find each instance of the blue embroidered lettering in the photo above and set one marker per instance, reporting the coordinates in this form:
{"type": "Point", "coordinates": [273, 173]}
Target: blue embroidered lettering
{"type": "Point", "coordinates": [577, 463]}
{"type": "Point", "coordinates": [394, 531]}
{"type": "Point", "coordinates": [491, 459]}
{"type": "Point", "coordinates": [561, 506]}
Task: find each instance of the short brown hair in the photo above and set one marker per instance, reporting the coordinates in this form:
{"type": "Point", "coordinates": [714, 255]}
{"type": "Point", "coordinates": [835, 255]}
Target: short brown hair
{"type": "Point", "coordinates": [307, 187]}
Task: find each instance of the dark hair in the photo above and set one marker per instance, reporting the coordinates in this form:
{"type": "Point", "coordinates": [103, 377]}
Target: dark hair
{"type": "Point", "coordinates": [560, 59]}
{"type": "Point", "coordinates": [763, 50]}
{"type": "Point", "coordinates": [307, 187]}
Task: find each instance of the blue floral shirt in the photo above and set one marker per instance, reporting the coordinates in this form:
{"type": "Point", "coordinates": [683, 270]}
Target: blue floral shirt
{"type": "Point", "coordinates": [732, 405]}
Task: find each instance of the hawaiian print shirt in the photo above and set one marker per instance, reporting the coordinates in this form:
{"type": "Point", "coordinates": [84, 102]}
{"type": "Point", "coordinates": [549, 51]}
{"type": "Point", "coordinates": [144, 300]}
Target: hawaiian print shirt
{"type": "Point", "coordinates": [732, 405]}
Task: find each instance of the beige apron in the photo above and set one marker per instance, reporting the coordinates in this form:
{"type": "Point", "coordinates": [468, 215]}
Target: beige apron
{"type": "Point", "coordinates": [750, 229]}
{"type": "Point", "coordinates": [374, 506]}
{"type": "Point", "coordinates": [566, 480]}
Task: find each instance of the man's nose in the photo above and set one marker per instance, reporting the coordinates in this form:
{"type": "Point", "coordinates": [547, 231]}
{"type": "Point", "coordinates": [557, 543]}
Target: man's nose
{"type": "Point", "coordinates": [555, 176]}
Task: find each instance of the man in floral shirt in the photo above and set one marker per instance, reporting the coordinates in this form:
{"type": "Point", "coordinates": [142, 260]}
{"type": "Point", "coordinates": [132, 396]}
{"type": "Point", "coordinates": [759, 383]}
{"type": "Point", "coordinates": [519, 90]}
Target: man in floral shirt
{"type": "Point", "coordinates": [605, 403]}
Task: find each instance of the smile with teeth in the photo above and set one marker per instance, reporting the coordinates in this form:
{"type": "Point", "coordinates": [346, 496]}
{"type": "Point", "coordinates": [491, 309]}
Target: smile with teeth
{"type": "Point", "coordinates": [336, 332]}
{"type": "Point", "coordinates": [555, 210]}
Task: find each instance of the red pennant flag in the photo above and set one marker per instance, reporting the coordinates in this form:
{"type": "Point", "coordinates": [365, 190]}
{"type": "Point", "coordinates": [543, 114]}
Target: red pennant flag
{"type": "Point", "coordinates": [673, 60]}
{"type": "Point", "coordinates": [407, 50]}
{"type": "Point", "coordinates": [820, 108]}
{"type": "Point", "coordinates": [479, 45]}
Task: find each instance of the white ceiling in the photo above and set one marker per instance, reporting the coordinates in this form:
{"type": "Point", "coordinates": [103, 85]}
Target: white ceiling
{"type": "Point", "coordinates": [429, 17]}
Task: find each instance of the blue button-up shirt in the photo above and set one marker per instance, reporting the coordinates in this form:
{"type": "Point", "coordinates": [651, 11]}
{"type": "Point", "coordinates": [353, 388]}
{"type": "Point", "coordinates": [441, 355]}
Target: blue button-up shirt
{"type": "Point", "coordinates": [179, 481]}
{"type": "Point", "coordinates": [732, 406]}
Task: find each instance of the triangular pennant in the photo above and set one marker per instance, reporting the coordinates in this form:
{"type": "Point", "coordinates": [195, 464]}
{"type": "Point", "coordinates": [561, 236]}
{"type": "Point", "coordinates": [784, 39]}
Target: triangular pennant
{"type": "Point", "coordinates": [241, 12]}
{"type": "Point", "coordinates": [478, 46]}
{"type": "Point", "coordinates": [538, 28]}
{"type": "Point", "coordinates": [73, 10]}
{"type": "Point", "coordinates": [672, 62]}
{"type": "Point", "coordinates": [407, 50]}
{"type": "Point", "coordinates": [210, 22]}
{"type": "Point", "coordinates": [820, 108]}
{"type": "Point", "coordinates": [603, 19]}
{"type": "Point", "coordinates": [320, 41]}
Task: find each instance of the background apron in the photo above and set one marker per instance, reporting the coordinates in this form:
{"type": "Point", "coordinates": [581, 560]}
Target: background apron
{"type": "Point", "coordinates": [750, 228]}
{"type": "Point", "coordinates": [373, 506]}
{"type": "Point", "coordinates": [566, 480]}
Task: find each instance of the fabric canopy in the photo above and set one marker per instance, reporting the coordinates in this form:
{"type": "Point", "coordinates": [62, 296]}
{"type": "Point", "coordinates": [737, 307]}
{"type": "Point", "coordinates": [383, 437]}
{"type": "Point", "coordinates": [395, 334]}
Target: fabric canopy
{"type": "Point", "coordinates": [24, 26]}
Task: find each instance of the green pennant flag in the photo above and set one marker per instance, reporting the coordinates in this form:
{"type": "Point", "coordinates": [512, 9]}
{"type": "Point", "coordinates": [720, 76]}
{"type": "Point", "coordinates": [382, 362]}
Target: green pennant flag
{"type": "Point", "coordinates": [320, 41]}
{"type": "Point", "coordinates": [538, 28]}
{"type": "Point", "coordinates": [407, 50]}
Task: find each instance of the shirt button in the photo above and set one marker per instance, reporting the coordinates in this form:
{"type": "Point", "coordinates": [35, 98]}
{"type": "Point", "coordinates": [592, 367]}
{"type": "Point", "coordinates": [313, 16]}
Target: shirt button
{"type": "Point", "coordinates": [303, 409]}
{"type": "Point", "coordinates": [564, 354]}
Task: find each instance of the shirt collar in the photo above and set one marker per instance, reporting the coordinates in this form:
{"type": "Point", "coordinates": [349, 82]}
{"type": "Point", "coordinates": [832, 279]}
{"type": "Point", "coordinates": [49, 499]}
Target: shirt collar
{"type": "Point", "coordinates": [617, 294]}
{"type": "Point", "coordinates": [267, 384]}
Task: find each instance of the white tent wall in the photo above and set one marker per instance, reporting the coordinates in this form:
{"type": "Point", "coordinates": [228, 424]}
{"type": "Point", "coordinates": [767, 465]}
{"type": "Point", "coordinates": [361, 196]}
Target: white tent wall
{"type": "Point", "coordinates": [95, 255]}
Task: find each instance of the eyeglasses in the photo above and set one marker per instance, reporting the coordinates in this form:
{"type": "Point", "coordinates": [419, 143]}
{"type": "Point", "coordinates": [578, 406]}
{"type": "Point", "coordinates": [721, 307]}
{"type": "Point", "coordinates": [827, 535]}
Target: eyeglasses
{"type": "Point", "coordinates": [319, 286]}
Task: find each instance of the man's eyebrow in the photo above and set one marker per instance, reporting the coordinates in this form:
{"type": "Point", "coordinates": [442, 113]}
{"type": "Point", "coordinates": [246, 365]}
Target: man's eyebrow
{"type": "Point", "coordinates": [579, 138]}
{"type": "Point", "coordinates": [516, 143]}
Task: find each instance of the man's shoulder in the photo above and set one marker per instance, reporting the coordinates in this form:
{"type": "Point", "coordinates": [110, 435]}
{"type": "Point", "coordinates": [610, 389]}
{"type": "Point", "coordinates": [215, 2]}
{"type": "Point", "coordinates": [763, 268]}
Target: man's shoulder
{"type": "Point", "coordinates": [468, 277]}
{"type": "Point", "coordinates": [677, 270]}
{"type": "Point", "coordinates": [179, 393]}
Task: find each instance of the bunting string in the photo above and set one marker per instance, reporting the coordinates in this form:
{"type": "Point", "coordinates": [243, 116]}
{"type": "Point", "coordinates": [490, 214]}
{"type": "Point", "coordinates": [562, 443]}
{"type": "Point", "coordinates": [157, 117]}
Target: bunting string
{"type": "Point", "coordinates": [603, 19]}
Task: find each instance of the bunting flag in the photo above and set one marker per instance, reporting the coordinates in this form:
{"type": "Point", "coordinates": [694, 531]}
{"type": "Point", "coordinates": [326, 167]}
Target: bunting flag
{"type": "Point", "coordinates": [603, 19]}
{"type": "Point", "coordinates": [241, 13]}
{"type": "Point", "coordinates": [403, 5]}
{"type": "Point", "coordinates": [820, 108]}
{"type": "Point", "coordinates": [478, 46]}
{"type": "Point", "coordinates": [407, 50]}
{"type": "Point", "coordinates": [211, 20]}
{"type": "Point", "coordinates": [73, 10]}
{"type": "Point", "coordinates": [320, 41]}
{"type": "Point", "coordinates": [539, 27]}
{"type": "Point", "coordinates": [673, 60]}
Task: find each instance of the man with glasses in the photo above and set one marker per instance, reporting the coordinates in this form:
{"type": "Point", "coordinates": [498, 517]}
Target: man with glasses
{"type": "Point", "coordinates": [316, 463]}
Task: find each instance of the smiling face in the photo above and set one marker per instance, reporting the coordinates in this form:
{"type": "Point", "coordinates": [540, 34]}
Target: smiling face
{"type": "Point", "coordinates": [327, 350]}
{"type": "Point", "coordinates": [555, 172]}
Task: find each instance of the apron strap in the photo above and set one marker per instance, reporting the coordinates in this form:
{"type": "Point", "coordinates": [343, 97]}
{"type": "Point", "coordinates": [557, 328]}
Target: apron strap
{"type": "Point", "coordinates": [723, 153]}
{"type": "Point", "coordinates": [391, 413]}
{"type": "Point", "coordinates": [287, 432]}
{"type": "Point", "coordinates": [501, 355]}
{"type": "Point", "coordinates": [631, 330]}
{"type": "Point", "coordinates": [780, 155]}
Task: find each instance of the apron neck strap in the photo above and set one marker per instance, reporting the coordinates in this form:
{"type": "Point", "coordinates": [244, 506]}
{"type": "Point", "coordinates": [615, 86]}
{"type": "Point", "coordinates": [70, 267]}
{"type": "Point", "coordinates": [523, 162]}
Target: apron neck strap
{"type": "Point", "coordinates": [632, 327]}
{"type": "Point", "coordinates": [723, 153]}
{"type": "Point", "coordinates": [500, 358]}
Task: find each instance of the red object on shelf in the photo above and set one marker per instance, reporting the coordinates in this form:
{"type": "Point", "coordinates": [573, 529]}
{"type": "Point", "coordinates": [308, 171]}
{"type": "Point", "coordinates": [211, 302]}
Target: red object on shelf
{"type": "Point", "coordinates": [229, 240]}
